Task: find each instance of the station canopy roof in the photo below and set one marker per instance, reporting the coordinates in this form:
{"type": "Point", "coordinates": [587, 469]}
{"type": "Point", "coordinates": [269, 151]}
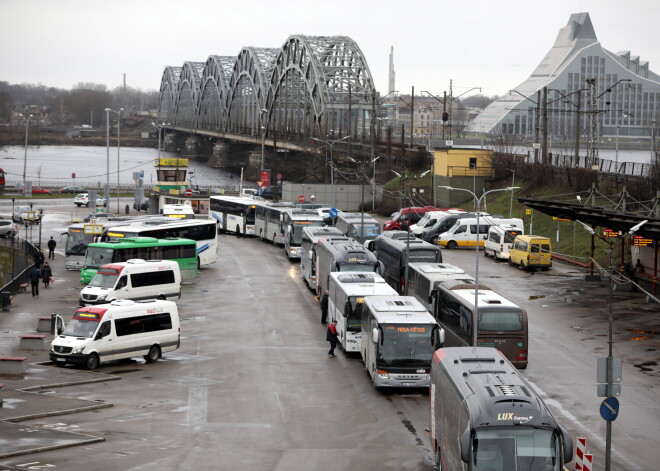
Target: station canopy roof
{"type": "Point", "coordinates": [597, 216]}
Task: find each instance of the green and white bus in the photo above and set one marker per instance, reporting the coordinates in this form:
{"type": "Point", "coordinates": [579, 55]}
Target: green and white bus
{"type": "Point", "coordinates": [182, 251]}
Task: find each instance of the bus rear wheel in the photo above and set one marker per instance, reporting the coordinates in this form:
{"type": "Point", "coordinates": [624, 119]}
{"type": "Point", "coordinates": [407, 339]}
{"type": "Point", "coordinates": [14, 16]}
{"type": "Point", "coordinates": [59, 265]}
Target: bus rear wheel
{"type": "Point", "coordinates": [451, 245]}
{"type": "Point", "coordinates": [153, 355]}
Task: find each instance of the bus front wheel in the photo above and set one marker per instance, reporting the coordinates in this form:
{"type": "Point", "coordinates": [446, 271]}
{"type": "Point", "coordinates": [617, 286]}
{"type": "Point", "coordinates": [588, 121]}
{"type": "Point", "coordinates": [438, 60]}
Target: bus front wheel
{"type": "Point", "coordinates": [92, 361]}
{"type": "Point", "coordinates": [451, 245]}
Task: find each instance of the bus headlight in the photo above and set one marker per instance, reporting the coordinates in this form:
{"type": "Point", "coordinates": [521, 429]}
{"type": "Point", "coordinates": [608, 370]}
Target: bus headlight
{"type": "Point", "coordinates": [383, 374]}
{"type": "Point", "coordinates": [101, 297]}
{"type": "Point", "coordinates": [78, 350]}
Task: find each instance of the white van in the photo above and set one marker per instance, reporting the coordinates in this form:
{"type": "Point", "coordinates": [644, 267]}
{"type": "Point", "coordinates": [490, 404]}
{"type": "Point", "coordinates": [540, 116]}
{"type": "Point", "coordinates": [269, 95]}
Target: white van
{"type": "Point", "coordinates": [180, 211]}
{"type": "Point", "coordinates": [135, 279]}
{"type": "Point", "coordinates": [463, 233]}
{"type": "Point", "coordinates": [500, 240]}
{"type": "Point", "coordinates": [428, 220]}
{"type": "Point", "coordinates": [121, 329]}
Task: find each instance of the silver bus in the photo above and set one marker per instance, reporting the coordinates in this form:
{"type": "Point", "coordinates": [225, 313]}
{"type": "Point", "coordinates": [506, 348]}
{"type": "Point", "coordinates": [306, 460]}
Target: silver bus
{"type": "Point", "coordinates": [268, 224]}
{"type": "Point", "coordinates": [293, 221]}
{"type": "Point", "coordinates": [362, 227]}
{"type": "Point", "coordinates": [424, 278]}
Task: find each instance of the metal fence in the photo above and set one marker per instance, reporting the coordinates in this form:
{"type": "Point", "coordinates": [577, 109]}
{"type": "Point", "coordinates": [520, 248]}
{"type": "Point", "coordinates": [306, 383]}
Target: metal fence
{"type": "Point", "coordinates": [604, 165]}
{"type": "Point", "coordinates": [17, 257]}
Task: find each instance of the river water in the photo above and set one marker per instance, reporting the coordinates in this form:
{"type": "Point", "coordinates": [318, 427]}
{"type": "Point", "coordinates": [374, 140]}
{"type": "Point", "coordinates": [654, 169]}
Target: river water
{"type": "Point", "coordinates": [53, 166]}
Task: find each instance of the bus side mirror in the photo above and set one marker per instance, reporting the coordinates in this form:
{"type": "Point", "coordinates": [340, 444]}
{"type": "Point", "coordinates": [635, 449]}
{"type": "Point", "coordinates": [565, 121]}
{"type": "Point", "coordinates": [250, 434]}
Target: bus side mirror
{"type": "Point", "coordinates": [375, 335]}
{"type": "Point", "coordinates": [380, 268]}
{"type": "Point", "coordinates": [465, 445]}
{"type": "Point", "coordinates": [441, 337]}
{"type": "Point", "coordinates": [568, 445]}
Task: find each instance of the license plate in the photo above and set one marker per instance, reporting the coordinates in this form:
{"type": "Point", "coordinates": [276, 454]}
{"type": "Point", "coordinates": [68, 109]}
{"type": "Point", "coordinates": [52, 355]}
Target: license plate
{"type": "Point", "coordinates": [61, 360]}
{"type": "Point", "coordinates": [408, 383]}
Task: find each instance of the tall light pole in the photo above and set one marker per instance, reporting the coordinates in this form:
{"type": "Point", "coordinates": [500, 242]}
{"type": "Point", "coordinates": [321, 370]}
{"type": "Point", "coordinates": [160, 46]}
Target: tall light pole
{"type": "Point", "coordinates": [513, 182]}
{"type": "Point", "coordinates": [616, 152]}
{"type": "Point", "coordinates": [107, 158]}
{"type": "Point", "coordinates": [477, 242]}
{"type": "Point", "coordinates": [160, 127]}
{"type": "Point", "coordinates": [27, 127]}
{"type": "Point", "coordinates": [118, 113]}
{"type": "Point", "coordinates": [263, 136]}
{"type": "Point", "coordinates": [610, 321]}
{"type": "Point", "coordinates": [332, 172]}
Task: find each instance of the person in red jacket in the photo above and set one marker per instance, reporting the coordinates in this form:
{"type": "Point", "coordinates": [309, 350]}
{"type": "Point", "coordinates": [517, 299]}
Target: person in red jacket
{"type": "Point", "coordinates": [331, 336]}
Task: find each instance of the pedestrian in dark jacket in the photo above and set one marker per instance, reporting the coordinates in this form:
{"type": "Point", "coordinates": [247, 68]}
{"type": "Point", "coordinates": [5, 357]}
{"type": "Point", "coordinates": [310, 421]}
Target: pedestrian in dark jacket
{"type": "Point", "coordinates": [51, 248]}
{"type": "Point", "coordinates": [35, 276]}
{"type": "Point", "coordinates": [46, 274]}
{"type": "Point", "coordinates": [39, 259]}
{"type": "Point", "coordinates": [331, 336]}
{"type": "Point", "coordinates": [324, 307]}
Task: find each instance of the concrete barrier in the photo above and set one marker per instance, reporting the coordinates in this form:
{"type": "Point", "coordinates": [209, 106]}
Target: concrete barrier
{"type": "Point", "coordinates": [32, 342]}
{"type": "Point", "coordinates": [12, 366]}
{"type": "Point", "coordinates": [44, 324]}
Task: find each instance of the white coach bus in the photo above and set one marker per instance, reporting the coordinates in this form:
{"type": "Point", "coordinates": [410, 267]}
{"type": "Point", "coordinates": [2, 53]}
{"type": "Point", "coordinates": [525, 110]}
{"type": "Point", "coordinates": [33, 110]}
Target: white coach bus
{"type": "Point", "coordinates": [346, 303]}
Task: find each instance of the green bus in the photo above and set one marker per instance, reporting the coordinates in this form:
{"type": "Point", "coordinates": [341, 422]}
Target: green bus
{"type": "Point", "coordinates": [183, 251]}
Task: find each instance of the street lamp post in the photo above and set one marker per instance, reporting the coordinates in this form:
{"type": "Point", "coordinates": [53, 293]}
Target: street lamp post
{"type": "Point", "coordinates": [513, 182]}
{"type": "Point", "coordinates": [616, 151]}
{"type": "Point", "coordinates": [263, 136]}
{"type": "Point", "coordinates": [107, 159]}
{"type": "Point", "coordinates": [610, 321]}
{"type": "Point", "coordinates": [329, 145]}
{"type": "Point", "coordinates": [477, 242]}
{"type": "Point", "coordinates": [27, 127]}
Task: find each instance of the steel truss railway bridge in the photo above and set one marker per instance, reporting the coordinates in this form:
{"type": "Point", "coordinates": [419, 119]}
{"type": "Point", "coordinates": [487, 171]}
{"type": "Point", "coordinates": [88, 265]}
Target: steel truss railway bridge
{"type": "Point", "coordinates": [312, 87]}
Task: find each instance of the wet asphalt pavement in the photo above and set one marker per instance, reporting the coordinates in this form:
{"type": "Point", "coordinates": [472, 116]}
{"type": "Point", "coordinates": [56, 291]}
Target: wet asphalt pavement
{"type": "Point", "coordinates": [252, 387]}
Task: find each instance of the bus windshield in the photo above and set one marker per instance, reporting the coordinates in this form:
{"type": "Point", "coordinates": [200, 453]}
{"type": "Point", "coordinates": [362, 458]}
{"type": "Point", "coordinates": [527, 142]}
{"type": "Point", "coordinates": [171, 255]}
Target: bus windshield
{"type": "Point", "coordinates": [406, 343]}
{"type": "Point", "coordinates": [356, 267]}
{"type": "Point", "coordinates": [296, 231]}
{"type": "Point", "coordinates": [81, 328]}
{"type": "Point", "coordinates": [369, 230]}
{"type": "Point", "coordinates": [76, 242]}
{"type": "Point", "coordinates": [97, 256]}
{"type": "Point", "coordinates": [103, 280]}
{"type": "Point", "coordinates": [517, 447]}
{"type": "Point", "coordinates": [499, 321]}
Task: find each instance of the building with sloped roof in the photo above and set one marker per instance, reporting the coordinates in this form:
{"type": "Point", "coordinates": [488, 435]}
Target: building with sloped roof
{"type": "Point", "coordinates": [627, 92]}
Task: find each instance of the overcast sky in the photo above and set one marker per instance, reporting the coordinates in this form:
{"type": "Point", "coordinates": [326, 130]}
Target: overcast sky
{"type": "Point", "coordinates": [494, 45]}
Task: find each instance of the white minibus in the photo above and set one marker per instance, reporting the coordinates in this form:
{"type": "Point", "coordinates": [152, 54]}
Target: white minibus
{"type": "Point", "coordinates": [135, 279]}
{"type": "Point", "coordinates": [500, 240]}
{"type": "Point", "coordinates": [121, 329]}
{"type": "Point", "coordinates": [464, 233]}
{"type": "Point", "coordinates": [310, 237]}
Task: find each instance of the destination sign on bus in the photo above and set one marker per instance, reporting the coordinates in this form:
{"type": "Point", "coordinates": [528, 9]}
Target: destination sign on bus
{"type": "Point", "coordinates": [407, 329]}
{"type": "Point", "coordinates": [87, 315]}
{"type": "Point", "coordinates": [115, 234]}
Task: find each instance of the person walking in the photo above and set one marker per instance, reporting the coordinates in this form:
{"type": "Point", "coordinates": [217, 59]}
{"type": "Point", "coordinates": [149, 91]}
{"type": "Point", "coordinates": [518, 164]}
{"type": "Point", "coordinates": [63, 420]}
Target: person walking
{"type": "Point", "coordinates": [51, 248]}
{"type": "Point", "coordinates": [331, 336]}
{"type": "Point", "coordinates": [39, 259]}
{"type": "Point", "coordinates": [46, 274]}
{"type": "Point", "coordinates": [35, 277]}
{"type": "Point", "coordinates": [324, 307]}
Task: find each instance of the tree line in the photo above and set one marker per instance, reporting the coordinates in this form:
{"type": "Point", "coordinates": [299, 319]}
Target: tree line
{"type": "Point", "coordinates": [84, 103]}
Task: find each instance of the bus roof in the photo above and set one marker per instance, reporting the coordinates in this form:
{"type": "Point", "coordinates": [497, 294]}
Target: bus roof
{"type": "Point", "coordinates": [491, 385]}
{"type": "Point", "coordinates": [430, 269]}
{"type": "Point", "coordinates": [398, 310]}
{"type": "Point", "coordinates": [314, 232]}
{"type": "Point", "coordinates": [485, 296]}
{"type": "Point", "coordinates": [345, 248]}
{"type": "Point", "coordinates": [362, 284]}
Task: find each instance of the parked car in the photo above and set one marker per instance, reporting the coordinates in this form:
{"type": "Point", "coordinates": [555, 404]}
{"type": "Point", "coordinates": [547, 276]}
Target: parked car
{"type": "Point", "coordinates": [82, 199]}
{"type": "Point", "coordinates": [269, 192]}
{"type": "Point", "coordinates": [91, 216]}
{"type": "Point", "coordinates": [7, 228]}
{"type": "Point", "coordinates": [36, 190]}
{"type": "Point", "coordinates": [21, 215]}
{"type": "Point", "coordinates": [72, 190]}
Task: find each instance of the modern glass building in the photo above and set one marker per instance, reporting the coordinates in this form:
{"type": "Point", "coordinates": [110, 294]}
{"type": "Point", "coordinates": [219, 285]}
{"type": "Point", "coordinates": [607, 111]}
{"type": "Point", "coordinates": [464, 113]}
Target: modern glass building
{"type": "Point", "coordinates": [626, 92]}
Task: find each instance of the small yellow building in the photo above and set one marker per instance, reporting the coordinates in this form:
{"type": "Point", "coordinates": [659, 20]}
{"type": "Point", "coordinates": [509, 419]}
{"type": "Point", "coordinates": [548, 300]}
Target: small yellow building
{"type": "Point", "coordinates": [461, 168]}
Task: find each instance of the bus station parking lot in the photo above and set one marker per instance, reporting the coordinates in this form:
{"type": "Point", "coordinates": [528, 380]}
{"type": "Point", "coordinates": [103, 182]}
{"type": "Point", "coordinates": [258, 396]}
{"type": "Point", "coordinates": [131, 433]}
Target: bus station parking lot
{"type": "Point", "coordinates": [252, 387]}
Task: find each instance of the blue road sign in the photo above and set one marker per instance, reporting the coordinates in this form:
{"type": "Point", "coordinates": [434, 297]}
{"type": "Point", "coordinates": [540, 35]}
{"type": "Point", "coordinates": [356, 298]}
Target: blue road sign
{"type": "Point", "coordinates": [333, 212]}
{"type": "Point", "coordinates": [609, 409]}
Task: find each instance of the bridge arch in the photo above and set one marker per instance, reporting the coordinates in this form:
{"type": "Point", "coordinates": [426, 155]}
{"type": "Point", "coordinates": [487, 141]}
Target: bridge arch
{"type": "Point", "coordinates": [321, 86]}
{"type": "Point", "coordinates": [248, 89]}
{"type": "Point", "coordinates": [169, 85]}
{"type": "Point", "coordinates": [188, 93]}
{"type": "Point", "coordinates": [214, 89]}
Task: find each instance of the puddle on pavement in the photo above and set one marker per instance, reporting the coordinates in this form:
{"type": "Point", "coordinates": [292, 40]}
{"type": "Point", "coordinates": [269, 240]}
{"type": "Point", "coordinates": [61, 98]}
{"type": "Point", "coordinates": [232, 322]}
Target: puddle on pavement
{"type": "Point", "coordinates": [646, 367]}
{"type": "Point", "coordinates": [539, 296]}
{"type": "Point", "coordinates": [641, 334]}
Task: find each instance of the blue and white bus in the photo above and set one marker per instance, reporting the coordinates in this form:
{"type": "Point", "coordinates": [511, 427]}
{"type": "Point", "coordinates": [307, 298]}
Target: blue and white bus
{"type": "Point", "coordinates": [234, 213]}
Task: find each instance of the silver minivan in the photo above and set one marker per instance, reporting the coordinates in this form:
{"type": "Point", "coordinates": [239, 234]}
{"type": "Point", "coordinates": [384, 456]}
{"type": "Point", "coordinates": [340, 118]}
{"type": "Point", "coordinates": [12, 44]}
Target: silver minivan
{"type": "Point", "coordinates": [500, 240]}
